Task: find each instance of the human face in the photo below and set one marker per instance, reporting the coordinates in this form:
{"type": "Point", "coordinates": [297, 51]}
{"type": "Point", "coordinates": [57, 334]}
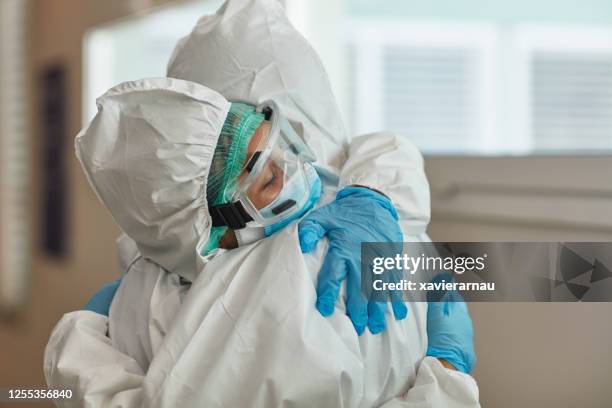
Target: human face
{"type": "Point", "coordinates": [268, 181]}
{"type": "Point", "coordinates": [265, 189]}
{"type": "Point", "coordinates": [268, 185]}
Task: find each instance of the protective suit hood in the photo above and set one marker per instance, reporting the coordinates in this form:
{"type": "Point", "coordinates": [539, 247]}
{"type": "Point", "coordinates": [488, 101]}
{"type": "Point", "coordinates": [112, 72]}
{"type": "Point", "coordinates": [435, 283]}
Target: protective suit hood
{"type": "Point", "coordinates": [147, 155]}
{"type": "Point", "coordinates": [249, 51]}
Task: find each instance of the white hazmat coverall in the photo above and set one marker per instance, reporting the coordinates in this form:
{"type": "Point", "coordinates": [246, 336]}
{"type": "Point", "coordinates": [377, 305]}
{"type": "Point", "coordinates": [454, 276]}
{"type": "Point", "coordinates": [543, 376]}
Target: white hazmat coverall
{"type": "Point", "coordinates": [247, 332]}
{"type": "Point", "coordinates": [80, 355]}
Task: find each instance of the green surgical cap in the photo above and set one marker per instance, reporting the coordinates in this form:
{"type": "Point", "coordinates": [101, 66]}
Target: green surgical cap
{"type": "Point", "coordinates": [228, 160]}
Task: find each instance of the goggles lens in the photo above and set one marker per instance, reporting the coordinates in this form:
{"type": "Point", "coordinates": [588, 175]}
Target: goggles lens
{"type": "Point", "coordinates": [274, 184]}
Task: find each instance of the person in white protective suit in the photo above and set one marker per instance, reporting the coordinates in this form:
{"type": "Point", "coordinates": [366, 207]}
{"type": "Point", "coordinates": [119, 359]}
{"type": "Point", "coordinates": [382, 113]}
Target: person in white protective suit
{"type": "Point", "coordinates": [247, 322]}
{"type": "Point", "coordinates": [81, 356]}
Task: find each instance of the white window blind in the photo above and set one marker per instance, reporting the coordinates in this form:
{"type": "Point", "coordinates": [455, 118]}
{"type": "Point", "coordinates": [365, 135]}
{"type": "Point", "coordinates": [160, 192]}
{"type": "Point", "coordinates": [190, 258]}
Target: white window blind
{"type": "Point", "coordinates": [571, 100]}
{"type": "Point", "coordinates": [432, 83]}
{"type": "Point", "coordinates": [432, 95]}
{"type": "Point", "coordinates": [472, 88]}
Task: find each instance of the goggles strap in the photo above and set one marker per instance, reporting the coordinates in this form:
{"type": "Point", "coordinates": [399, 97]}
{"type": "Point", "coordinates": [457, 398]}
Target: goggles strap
{"type": "Point", "coordinates": [267, 111]}
{"type": "Point", "coordinates": [231, 215]}
{"type": "Point", "coordinates": [252, 162]}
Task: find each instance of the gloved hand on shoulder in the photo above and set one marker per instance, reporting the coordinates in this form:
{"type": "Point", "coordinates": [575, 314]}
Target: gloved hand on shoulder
{"type": "Point", "coordinates": [358, 215]}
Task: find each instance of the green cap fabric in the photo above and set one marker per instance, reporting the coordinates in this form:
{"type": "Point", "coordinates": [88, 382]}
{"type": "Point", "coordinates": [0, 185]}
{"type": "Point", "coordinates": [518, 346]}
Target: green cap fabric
{"type": "Point", "coordinates": [229, 159]}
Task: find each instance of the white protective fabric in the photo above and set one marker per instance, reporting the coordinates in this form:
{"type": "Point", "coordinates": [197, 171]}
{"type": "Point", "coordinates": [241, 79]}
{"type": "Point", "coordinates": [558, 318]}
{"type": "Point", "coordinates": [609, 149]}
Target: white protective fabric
{"type": "Point", "coordinates": [248, 323]}
{"type": "Point", "coordinates": [256, 329]}
{"type": "Point", "coordinates": [147, 154]}
{"type": "Point", "coordinates": [249, 51]}
{"type": "Point", "coordinates": [79, 356]}
{"type": "Point", "coordinates": [138, 327]}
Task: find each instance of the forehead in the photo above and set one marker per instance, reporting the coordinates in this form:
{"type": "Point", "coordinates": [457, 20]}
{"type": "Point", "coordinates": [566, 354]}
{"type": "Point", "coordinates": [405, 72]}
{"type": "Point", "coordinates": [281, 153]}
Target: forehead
{"type": "Point", "coordinates": [261, 132]}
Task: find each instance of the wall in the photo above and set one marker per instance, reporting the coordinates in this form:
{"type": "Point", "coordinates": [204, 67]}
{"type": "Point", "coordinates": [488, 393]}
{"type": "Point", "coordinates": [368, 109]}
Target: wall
{"type": "Point", "coordinates": [531, 354]}
{"type": "Point", "coordinates": [61, 285]}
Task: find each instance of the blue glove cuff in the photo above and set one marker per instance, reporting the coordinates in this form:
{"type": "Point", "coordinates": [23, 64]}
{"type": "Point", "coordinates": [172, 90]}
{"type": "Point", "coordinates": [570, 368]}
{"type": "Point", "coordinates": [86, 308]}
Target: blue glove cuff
{"type": "Point", "coordinates": [101, 301]}
{"type": "Point", "coordinates": [370, 194]}
{"type": "Point", "coordinates": [461, 361]}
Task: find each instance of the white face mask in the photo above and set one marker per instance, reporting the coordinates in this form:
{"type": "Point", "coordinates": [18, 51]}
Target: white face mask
{"type": "Point", "coordinates": [294, 191]}
{"type": "Point", "coordinates": [313, 192]}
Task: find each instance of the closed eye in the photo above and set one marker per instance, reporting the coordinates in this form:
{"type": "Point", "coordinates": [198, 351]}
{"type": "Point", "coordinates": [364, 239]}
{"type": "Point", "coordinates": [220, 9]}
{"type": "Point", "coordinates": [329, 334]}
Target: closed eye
{"type": "Point", "coordinates": [272, 177]}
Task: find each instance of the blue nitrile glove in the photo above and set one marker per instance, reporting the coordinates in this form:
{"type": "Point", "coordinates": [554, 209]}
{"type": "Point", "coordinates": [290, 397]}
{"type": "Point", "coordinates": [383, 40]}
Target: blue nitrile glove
{"type": "Point", "coordinates": [449, 329]}
{"type": "Point", "coordinates": [101, 300]}
{"type": "Point", "coordinates": [357, 215]}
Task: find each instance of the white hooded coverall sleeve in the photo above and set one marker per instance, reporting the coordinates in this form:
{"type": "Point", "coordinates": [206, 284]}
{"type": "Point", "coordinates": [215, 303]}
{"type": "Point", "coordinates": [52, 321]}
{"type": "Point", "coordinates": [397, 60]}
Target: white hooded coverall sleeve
{"type": "Point", "coordinates": [80, 357]}
{"type": "Point", "coordinates": [394, 166]}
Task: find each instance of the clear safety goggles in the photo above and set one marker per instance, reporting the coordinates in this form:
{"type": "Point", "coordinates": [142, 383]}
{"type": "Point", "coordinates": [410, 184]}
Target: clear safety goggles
{"type": "Point", "coordinates": [275, 182]}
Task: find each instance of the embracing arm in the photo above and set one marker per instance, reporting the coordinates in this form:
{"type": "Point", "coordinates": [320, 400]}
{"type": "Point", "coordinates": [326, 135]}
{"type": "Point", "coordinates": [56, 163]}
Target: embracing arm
{"type": "Point", "coordinates": [437, 386]}
{"type": "Point", "coordinates": [393, 166]}
{"type": "Point", "coordinates": [394, 205]}
{"type": "Point", "coordinates": [442, 378]}
{"type": "Point", "coordinates": [80, 357]}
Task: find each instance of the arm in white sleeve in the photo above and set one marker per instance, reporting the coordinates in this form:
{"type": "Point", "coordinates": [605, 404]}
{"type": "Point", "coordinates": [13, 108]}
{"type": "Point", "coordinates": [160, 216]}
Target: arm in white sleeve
{"type": "Point", "coordinates": [436, 386]}
{"type": "Point", "coordinates": [80, 357]}
{"type": "Point", "coordinates": [394, 166]}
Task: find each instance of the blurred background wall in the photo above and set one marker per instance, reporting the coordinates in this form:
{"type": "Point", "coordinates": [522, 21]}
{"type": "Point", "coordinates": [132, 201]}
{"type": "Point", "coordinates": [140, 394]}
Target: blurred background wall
{"type": "Point", "coordinates": [59, 283]}
{"type": "Point", "coordinates": [510, 102]}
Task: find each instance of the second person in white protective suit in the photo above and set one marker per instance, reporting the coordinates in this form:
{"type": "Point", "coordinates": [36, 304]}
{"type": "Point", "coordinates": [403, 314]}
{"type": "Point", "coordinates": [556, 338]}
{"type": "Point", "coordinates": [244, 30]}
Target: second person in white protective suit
{"type": "Point", "coordinates": [249, 51]}
{"type": "Point", "coordinates": [247, 322]}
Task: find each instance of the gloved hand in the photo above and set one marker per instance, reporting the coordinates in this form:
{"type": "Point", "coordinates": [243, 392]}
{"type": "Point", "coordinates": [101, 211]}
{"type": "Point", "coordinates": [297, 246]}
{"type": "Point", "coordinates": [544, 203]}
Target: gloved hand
{"type": "Point", "coordinates": [449, 330]}
{"type": "Point", "coordinates": [357, 215]}
{"type": "Point", "coordinates": [101, 300]}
